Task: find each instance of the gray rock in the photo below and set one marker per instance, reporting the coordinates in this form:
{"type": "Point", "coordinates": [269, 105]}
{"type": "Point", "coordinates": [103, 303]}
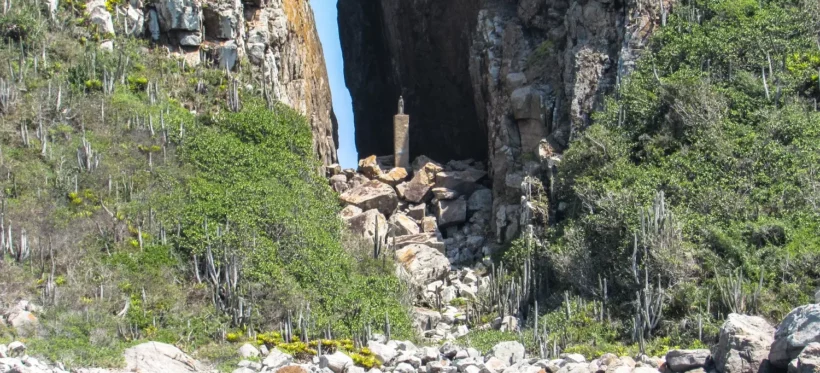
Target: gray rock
{"type": "Point", "coordinates": [428, 354]}
{"type": "Point", "coordinates": [250, 365]}
{"type": "Point", "coordinates": [685, 360]}
{"type": "Point", "coordinates": [431, 239]}
{"type": "Point", "coordinates": [403, 225]}
{"type": "Point", "coordinates": [404, 368]}
{"type": "Point", "coordinates": [800, 328]}
{"type": "Point", "coordinates": [817, 297]}
{"type": "Point", "coordinates": [156, 357]}
{"type": "Point", "coordinates": [808, 361]}
{"type": "Point", "coordinates": [153, 24]}
{"type": "Point", "coordinates": [182, 15]}
{"type": "Point", "coordinates": [574, 358]}
{"type": "Point", "coordinates": [425, 264]}
{"type": "Point", "coordinates": [99, 16]}
{"type": "Point", "coordinates": [445, 194]}
{"type": "Point", "coordinates": [227, 54]}
{"type": "Point", "coordinates": [408, 358]}
{"type": "Point", "coordinates": [243, 370]}
{"type": "Point", "coordinates": [493, 365]}
{"type": "Point", "coordinates": [365, 224]}
{"type": "Point", "coordinates": [407, 346]}
{"type": "Point", "coordinates": [354, 369]}
{"type": "Point", "coordinates": [417, 211]}
{"type": "Point", "coordinates": [451, 212]}
{"type": "Point", "coordinates": [190, 39]}
{"type": "Point", "coordinates": [248, 350]}
{"type": "Point", "coordinates": [463, 182]}
{"type": "Point", "coordinates": [527, 103]}
{"type": "Point", "coordinates": [339, 184]}
{"type": "Point", "coordinates": [3, 349]}
{"type": "Point", "coordinates": [645, 370]}
{"type": "Point", "coordinates": [481, 200]}
{"type": "Point", "coordinates": [337, 362]}
{"type": "Point", "coordinates": [276, 359]}
{"type": "Point", "coordinates": [743, 345]}
{"type": "Point", "coordinates": [441, 367]}
{"type": "Point", "coordinates": [16, 348]}
{"type": "Point", "coordinates": [510, 352]}
{"type": "Point", "coordinates": [382, 352]}
{"type": "Point", "coordinates": [372, 195]}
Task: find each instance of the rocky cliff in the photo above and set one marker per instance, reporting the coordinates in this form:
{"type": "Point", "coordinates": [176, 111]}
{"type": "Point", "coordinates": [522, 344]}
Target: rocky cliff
{"type": "Point", "coordinates": [506, 81]}
{"type": "Point", "coordinates": [278, 38]}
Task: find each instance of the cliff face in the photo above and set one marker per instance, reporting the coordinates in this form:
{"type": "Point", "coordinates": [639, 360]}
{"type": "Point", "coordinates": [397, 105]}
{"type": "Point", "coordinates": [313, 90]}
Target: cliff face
{"type": "Point", "coordinates": [506, 81]}
{"type": "Point", "coordinates": [278, 37]}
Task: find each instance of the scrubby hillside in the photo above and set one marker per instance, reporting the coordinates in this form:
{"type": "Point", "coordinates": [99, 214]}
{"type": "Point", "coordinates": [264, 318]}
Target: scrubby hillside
{"type": "Point", "coordinates": [694, 194]}
{"type": "Point", "coordinates": [145, 198]}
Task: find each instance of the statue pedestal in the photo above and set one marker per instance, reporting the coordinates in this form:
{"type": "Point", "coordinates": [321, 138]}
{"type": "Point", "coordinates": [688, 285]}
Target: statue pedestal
{"type": "Point", "coordinates": [401, 140]}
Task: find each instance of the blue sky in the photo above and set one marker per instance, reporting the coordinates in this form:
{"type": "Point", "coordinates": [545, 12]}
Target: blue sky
{"type": "Point", "coordinates": [326, 23]}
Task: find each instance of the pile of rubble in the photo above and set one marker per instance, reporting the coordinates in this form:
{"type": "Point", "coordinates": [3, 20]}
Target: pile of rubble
{"type": "Point", "coordinates": [436, 218]}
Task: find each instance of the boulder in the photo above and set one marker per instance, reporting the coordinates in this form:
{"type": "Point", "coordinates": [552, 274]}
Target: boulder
{"type": "Point", "coordinates": [408, 358]}
{"type": "Point", "coordinates": [339, 183]}
{"type": "Point", "coordinates": [352, 369]}
{"type": "Point", "coordinates": [370, 167]}
{"type": "Point", "coordinates": [276, 359]}
{"type": "Point", "coordinates": [808, 361]}
{"type": "Point", "coordinates": [372, 195]}
{"type": "Point", "coordinates": [481, 200]}
{"type": "Point", "coordinates": [427, 239]}
{"type": "Point", "coordinates": [99, 16]}
{"type": "Point", "coordinates": [462, 181]}
{"type": "Point", "coordinates": [424, 263]}
{"type": "Point", "coordinates": [417, 212]}
{"type": "Point", "coordinates": [574, 358]}
{"type": "Point", "coordinates": [156, 357]}
{"type": "Point", "coordinates": [743, 344]}
{"type": "Point", "coordinates": [509, 352]}
{"type": "Point", "coordinates": [350, 211]}
{"type": "Point", "coordinates": [428, 354]}
{"type": "Point", "coordinates": [16, 348]}
{"type": "Point", "coordinates": [429, 224]}
{"type": "Point", "coordinates": [685, 360]}
{"type": "Point", "coordinates": [451, 212]}
{"type": "Point", "coordinates": [20, 319]}
{"type": "Point", "coordinates": [393, 177]}
{"type": "Point", "coordinates": [800, 328]}
{"type": "Point", "coordinates": [221, 21]}
{"type": "Point", "coordinates": [418, 189]}
{"type": "Point", "coordinates": [445, 194]}
{"type": "Point", "coordinates": [527, 103]}
{"type": "Point", "coordinates": [404, 368]}
{"type": "Point", "coordinates": [190, 39]}
{"type": "Point", "coordinates": [337, 362]}
{"type": "Point", "coordinates": [248, 350]}
{"type": "Point", "coordinates": [365, 225]}
{"type": "Point", "coordinates": [403, 225]}
{"type": "Point", "coordinates": [382, 352]}
{"type": "Point", "coordinates": [494, 365]}
{"type": "Point", "coordinates": [227, 54]}
{"type": "Point", "coordinates": [179, 14]}
{"type": "Point", "coordinates": [425, 319]}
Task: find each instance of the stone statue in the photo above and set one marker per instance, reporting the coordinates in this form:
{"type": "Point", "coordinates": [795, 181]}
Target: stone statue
{"type": "Point", "coordinates": [401, 105]}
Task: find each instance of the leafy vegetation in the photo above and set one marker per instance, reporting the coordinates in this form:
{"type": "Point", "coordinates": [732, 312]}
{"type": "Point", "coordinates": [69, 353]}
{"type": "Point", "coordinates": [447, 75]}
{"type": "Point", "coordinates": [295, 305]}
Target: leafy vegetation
{"type": "Point", "coordinates": [140, 207]}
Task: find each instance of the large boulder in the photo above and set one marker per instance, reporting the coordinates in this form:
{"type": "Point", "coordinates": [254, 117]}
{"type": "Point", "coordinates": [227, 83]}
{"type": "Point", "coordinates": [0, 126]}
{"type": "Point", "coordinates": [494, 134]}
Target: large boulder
{"type": "Point", "coordinates": [183, 15]}
{"type": "Point", "coordinates": [370, 167]}
{"type": "Point", "coordinates": [463, 182]}
{"type": "Point", "coordinates": [686, 360]}
{"type": "Point", "coordinates": [808, 361]}
{"type": "Point", "coordinates": [156, 357]}
{"type": "Point", "coordinates": [372, 195]}
{"type": "Point", "coordinates": [800, 328]}
{"type": "Point", "coordinates": [368, 224]}
{"type": "Point", "coordinates": [430, 239]}
{"type": "Point", "coordinates": [276, 359]}
{"type": "Point", "coordinates": [481, 200]}
{"type": "Point", "coordinates": [99, 16]}
{"type": "Point", "coordinates": [743, 345]}
{"type": "Point", "coordinates": [424, 263]}
{"type": "Point", "coordinates": [425, 319]}
{"type": "Point", "coordinates": [382, 352]}
{"type": "Point", "coordinates": [394, 177]}
{"type": "Point", "coordinates": [451, 212]}
{"type": "Point", "coordinates": [337, 362]}
{"type": "Point", "coordinates": [403, 225]}
{"type": "Point", "coordinates": [417, 190]}
{"type": "Point", "coordinates": [509, 352]}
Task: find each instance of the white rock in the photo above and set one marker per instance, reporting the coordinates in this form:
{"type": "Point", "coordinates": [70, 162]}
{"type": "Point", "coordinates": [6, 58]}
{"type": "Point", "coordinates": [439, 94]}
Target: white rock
{"type": "Point", "coordinates": [494, 365]}
{"type": "Point", "coordinates": [354, 369]}
{"type": "Point", "coordinates": [277, 359]}
{"type": "Point", "coordinates": [243, 370]}
{"type": "Point", "coordinates": [3, 351]}
{"type": "Point", "coordinates": [800, 328]}
{"type": "Point", "coordinates": [156, 357]}
{"type": "Point", "coordinates": [382, 352]}
{"type": "Point", "coordinates": [404, 368]}
{"type": "Point", "coordinates": [247, 350]}
{"type": "Point", "coordinates": [428, 354]}
{"type": "Point", "coordinates": [337, 362]}
{"type": "Point", "coordinates": [16, 348]}
{"type": "Point", "coordinates": [510, 352]}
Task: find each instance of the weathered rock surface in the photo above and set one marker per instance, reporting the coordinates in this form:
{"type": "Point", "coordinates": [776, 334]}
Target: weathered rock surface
{"type": "Point", "coordinates": [808, 361]}
{"type": "Point", "coordinates": [156, 357]}
{"type": "Point", "coordinates": [743, 345]}
{"type": "Point", "coordinates": [800, 328]}
{"type": "Point", "coordinates": [686, 360]}
{"type": "Point", "coordinates": [509, 352]}
{"type": "Point", "coordinates": [372, 195]}
{"type": "Point", "coordinates": [424, 263]}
